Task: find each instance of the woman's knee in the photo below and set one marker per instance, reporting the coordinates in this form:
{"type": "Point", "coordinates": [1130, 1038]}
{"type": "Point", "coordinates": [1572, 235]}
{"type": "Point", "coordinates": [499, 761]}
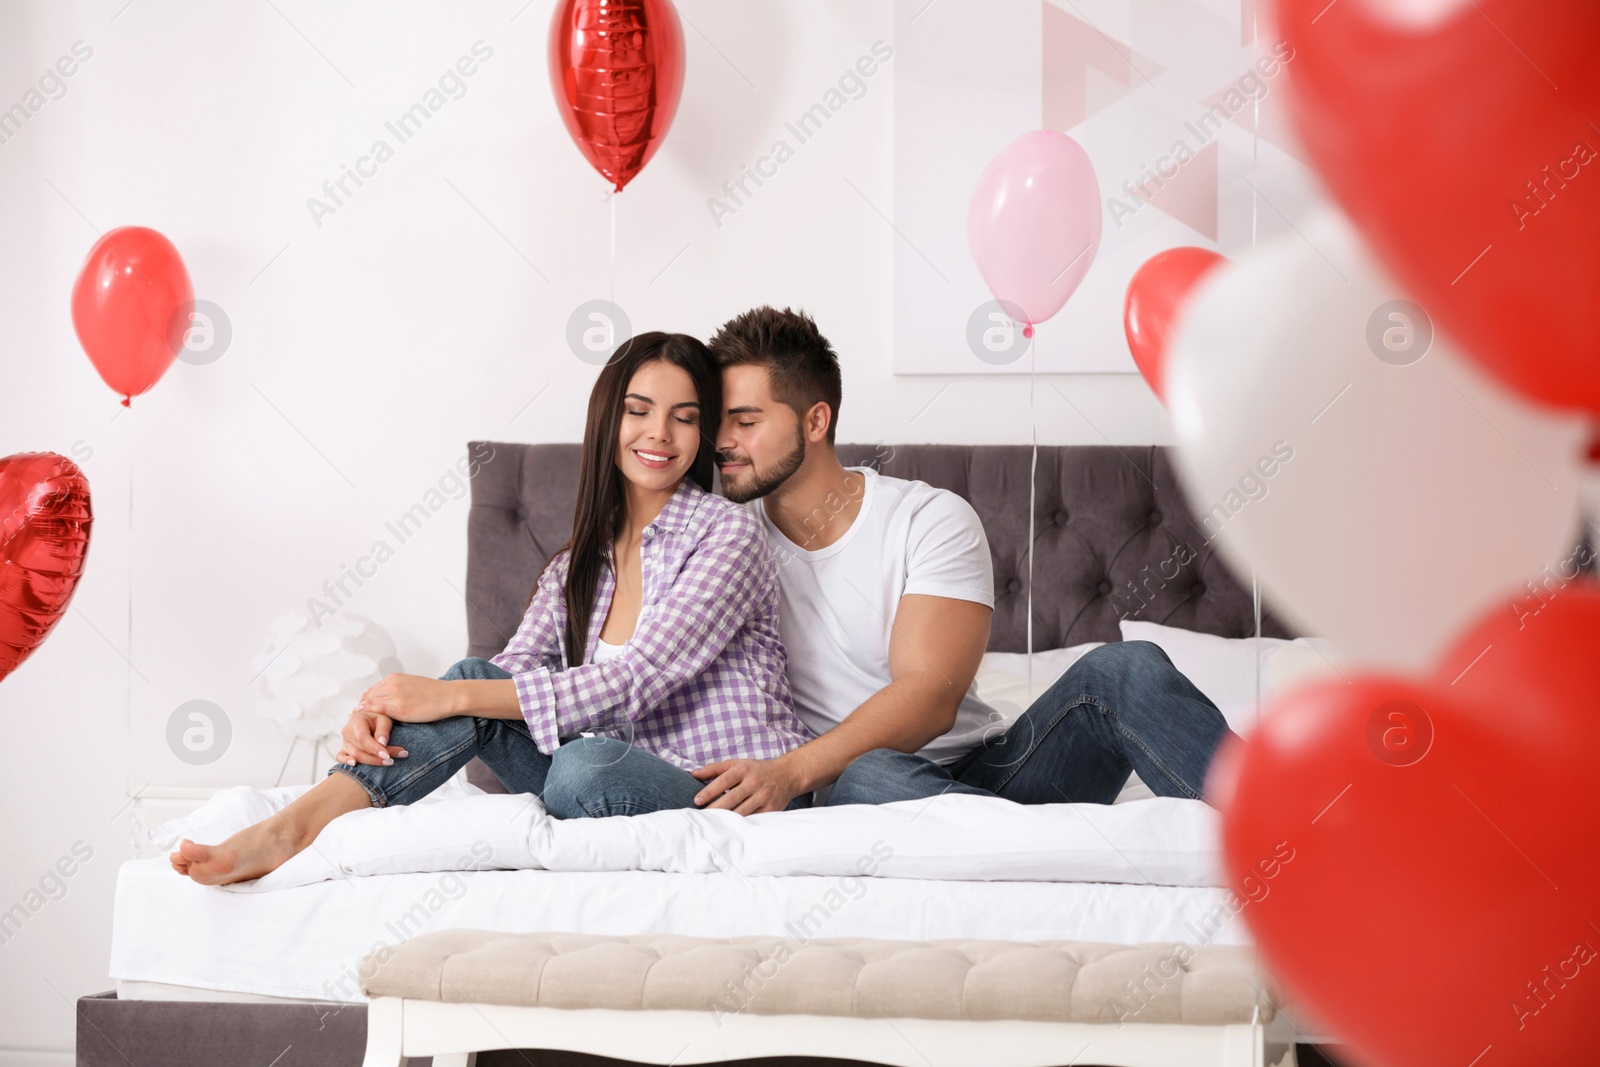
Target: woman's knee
{"type": "Point", "coordinates": [864, 776]}
{"type": "Point", "coordinates": [474, 667]}
{"type": "Point", "coordinates": [422, 740]}
{"type": "Point", "coordinates": [877, 760]}
{"type": "Point", "coordinates": [574, 787]}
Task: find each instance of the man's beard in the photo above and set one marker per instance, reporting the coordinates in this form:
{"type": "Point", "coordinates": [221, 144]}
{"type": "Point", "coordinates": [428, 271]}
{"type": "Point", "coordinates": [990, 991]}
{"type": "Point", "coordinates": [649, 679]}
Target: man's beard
{"type": "Point", "coordinates": [763, 482]}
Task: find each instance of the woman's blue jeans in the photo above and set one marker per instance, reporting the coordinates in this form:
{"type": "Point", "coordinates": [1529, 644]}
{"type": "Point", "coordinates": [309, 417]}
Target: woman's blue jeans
{"type": "Point", "coordinates": [587, 776]}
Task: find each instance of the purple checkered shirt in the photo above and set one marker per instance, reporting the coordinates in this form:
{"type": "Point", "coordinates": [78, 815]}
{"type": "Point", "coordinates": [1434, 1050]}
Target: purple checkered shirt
{"type": "Point", "coordinates": [702, 678]}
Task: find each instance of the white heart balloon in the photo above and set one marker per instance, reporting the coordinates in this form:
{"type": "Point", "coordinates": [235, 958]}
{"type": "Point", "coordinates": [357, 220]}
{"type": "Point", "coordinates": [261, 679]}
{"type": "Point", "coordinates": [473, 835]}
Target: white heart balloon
{"type": "Point", "coordinates": [1384, 489]}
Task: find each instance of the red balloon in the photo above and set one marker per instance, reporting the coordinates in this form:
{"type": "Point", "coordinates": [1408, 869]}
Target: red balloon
{"type": "Point", "coordinates": [1443, 879]}
{"type": "Point", "coordinates": [44, 539]}
{"type": "Point", "coordinates": [125, 306]}
{"type": "Point", "coordinates": [1461, 144]}
{"type": "Point", "coordinates": [1155, 293]}
{"type": "Point", "coordinates": [617, 70]}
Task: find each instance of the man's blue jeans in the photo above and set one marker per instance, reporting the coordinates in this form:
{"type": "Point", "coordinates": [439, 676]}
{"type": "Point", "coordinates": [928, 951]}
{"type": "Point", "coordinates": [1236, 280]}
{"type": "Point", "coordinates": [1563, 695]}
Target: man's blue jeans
{"type": "Point", "coordinates": [1122, 707]}
{"type": "Point", "coordinates": [587, 776]}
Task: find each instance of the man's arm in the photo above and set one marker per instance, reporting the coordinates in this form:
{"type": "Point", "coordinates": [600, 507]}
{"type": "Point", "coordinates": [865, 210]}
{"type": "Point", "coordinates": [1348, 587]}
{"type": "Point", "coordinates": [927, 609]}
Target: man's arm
{"type": "Point", "coordinates": [934, 650]}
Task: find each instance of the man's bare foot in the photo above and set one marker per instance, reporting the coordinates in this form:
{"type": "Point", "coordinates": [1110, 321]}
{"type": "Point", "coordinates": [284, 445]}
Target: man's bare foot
{"type": "Point", "coordinates": [250, 853]}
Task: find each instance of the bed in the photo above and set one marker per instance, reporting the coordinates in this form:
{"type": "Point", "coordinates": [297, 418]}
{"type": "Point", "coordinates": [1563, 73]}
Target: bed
{"type": "Point", "coordinates": [1111, 527]}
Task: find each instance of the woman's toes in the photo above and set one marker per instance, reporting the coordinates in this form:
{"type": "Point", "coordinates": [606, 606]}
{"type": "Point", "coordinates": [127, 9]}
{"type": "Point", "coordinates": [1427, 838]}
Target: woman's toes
{"type": "Point", "coordinates": [207, 864]}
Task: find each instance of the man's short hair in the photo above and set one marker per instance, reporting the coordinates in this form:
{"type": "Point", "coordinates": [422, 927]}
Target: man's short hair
{"type": "Point", "coordinates": [801, 364]}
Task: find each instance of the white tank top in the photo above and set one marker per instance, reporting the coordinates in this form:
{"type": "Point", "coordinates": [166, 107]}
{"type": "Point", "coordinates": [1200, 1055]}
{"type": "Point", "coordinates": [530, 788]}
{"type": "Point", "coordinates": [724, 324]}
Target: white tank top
{"type": "Point", "coordinates": [604, 650]}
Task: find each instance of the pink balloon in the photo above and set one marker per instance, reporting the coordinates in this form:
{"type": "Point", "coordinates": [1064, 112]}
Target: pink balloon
{"type": "Point", "coordinates": [1034, 223]}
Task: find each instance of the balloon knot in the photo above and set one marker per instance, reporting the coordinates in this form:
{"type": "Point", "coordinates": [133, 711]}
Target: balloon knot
{"type": "Point", "coordinates": [125, 401]}
{"type": "Point", "coordinates": [1027, 331]}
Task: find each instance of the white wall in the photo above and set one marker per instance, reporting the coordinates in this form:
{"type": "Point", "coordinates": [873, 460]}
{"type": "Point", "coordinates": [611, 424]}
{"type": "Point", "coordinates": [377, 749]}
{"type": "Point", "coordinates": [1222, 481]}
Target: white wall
{"type": "Point", "coordinates": [368, 350]}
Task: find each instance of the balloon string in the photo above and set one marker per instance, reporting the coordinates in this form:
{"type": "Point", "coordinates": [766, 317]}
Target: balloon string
{"type": "Point", "coordinates": [1255, 213]}
{"type": "Point", "coordinates": [1033, 471]}
{"type": "Point", "coordinates": [128, 690]}
{"type": "Point", "coordinates": [1255, 208]}
{"type": "Point", "coordinates": [613, 295]}
{"type": "Point", "coordinates": [1255, 598]}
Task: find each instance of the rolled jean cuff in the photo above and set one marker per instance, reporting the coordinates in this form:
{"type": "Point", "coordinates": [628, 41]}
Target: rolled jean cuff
{"type": "Point", "coordinates": [373, 793]}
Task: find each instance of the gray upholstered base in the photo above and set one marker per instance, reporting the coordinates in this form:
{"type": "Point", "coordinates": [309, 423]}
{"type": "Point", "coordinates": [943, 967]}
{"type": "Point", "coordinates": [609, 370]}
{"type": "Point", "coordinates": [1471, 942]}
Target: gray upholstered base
{"type": "Point", "coordinates": [173, 1033]}
{"type": "Point", "coordinates": [116, 1033]}
{"type": "Point", "coordinates": [162, 1033]}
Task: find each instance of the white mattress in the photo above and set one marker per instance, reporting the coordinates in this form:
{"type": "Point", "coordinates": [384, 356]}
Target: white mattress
{"type": "Point", "coordinates": [308, 941]}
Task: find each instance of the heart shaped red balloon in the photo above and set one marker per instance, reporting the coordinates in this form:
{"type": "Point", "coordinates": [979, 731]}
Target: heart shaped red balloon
{"type": "Point", "coordinates": [44, 539]}
{"type": "Point", "coordinates": [1441, 906]}
{"type": "Point", "coordinates": [1460, 136]}
{"type": "Point", "coordinates": [616, 67]}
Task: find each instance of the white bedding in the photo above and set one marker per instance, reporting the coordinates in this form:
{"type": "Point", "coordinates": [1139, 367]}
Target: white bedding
{"type": "Point", "coordinates": [307, 942]}
{"type": "Point", "coordinates": [1160, 841]}
{"type": "Point", "coordinates": [1141, 870]}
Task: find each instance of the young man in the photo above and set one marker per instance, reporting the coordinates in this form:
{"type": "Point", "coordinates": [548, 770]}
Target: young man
{"type": "Point", "coordinates": [887, 595]}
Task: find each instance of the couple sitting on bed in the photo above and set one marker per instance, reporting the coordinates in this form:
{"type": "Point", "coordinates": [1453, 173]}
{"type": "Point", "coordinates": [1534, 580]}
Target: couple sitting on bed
{"type": "Point", "coordinates": [687, 650]}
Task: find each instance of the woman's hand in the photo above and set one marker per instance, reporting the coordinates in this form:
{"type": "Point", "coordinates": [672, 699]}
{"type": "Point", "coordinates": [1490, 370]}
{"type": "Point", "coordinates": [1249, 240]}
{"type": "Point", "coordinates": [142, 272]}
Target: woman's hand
{"type": "Point", "coordinates": [410, 698]}
{"type": "Point", "coordinates": [365, 739]}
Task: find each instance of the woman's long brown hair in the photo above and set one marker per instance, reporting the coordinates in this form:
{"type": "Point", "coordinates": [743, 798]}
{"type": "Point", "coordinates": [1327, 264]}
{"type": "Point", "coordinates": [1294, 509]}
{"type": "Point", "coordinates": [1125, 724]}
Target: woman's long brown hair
{"type": "Point", "coordinates": [597, 519]}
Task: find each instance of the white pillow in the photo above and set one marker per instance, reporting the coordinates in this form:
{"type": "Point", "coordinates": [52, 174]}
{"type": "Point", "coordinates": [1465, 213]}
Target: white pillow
{"type": "Point", "coordinates": [1290, 667]}
{"type": "Point", "coordinates": [1225, 669]}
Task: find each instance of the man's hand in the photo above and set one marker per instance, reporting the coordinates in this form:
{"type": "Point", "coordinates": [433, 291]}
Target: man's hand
{"type": "Point", "coordinates": [410, 698]}
{"type": "Point", "coordinates": [748, 786]}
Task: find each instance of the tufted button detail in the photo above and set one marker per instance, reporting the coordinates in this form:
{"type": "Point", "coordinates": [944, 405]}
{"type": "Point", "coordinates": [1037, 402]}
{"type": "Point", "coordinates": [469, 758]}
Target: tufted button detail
{"type": "Point", "coordinates": [1199, 589]}
{"type": "Point", "coordinates": [1155, 518]}
{"type": "Point", "coordinates": [1104, 588]}
{"type": "Point", "coordinates": [1061, 518]}
{"type": "Point", "coordinates": [1013, 586]}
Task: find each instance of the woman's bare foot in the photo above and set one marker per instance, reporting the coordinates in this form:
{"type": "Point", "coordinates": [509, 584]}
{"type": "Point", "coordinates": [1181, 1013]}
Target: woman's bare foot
{"type": "Point", "coordinates": [269, 844]}
{"type": "Point", "coordinates": [250, 853]}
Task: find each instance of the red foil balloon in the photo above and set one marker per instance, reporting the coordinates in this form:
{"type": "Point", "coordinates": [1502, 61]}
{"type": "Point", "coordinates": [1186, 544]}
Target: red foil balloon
{"type": "Point", "coordinates": [127, 296]}
{"type": "Point", "coordinates": [1441, 834]}
{"type": "Point", "coordinates": [44, 539]}
{"type": "Point", "coordinates": [1460, 136]}
{"type": "Point", "coordinates": [1155, 293]}
{"type": "Point", "coordinates": [617, 70]}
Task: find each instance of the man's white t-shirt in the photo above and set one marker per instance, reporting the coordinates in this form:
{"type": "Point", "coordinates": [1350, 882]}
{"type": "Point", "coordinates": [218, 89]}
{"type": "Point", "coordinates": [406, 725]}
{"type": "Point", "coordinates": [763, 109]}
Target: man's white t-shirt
{"type": "Point", "coordinates": [838, 603]}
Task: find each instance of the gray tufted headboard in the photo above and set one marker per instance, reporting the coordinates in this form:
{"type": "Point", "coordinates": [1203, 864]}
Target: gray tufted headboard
{"type": "Point", "coordinates": [1114, 538]}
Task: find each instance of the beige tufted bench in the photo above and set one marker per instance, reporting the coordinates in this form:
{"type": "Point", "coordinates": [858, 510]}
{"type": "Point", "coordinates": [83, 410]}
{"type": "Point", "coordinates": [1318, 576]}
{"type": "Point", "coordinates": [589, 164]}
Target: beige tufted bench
{"type": "Point", "coordinates": [670, 999]}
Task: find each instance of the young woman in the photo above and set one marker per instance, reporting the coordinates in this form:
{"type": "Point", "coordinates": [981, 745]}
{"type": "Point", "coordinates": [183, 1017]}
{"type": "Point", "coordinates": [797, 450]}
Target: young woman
{"type": "Point", "coordinates": [649, 648]}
